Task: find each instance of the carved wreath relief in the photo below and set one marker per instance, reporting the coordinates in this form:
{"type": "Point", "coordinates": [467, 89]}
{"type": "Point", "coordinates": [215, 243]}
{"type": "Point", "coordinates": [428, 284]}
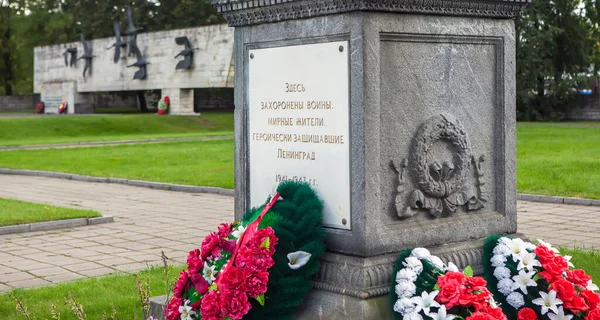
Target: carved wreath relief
{"type": "Point", "coordinates": [443, 184]}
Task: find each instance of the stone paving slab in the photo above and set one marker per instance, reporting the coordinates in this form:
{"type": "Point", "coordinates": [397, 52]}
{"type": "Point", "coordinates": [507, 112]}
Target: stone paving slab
{"type": "Point", "coordinates": [148, 221]}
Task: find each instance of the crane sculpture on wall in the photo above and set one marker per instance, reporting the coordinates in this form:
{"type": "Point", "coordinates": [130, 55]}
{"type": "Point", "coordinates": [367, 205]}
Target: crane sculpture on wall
{"type": "Point", "coordinates": [70, 56]}
{"type": "Point", "coordinates": [87, 55]}
{"type": "Point", "coordinates": [119, 43]}
{"type": "Point", "coordinates": [132, 33]}
{"type": "Point", "coordinates": [187, 53]}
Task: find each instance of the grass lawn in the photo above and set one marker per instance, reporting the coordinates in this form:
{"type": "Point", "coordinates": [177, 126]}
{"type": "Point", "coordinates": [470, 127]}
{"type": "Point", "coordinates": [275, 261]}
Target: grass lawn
{"type": "Point", "coordinates": [14, 212]}
{"type": "Point", "coordinates": [95, 294]}
{"type": "Point", "coordinates": [559, 159]}
{"type": "Point", "coordinates": [201, 163]}
{"type": "Point", "coordinates": [66, 129]}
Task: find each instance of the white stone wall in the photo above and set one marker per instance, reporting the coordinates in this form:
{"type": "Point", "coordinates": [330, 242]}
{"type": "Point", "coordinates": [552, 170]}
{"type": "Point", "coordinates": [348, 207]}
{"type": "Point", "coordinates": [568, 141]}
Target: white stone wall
{"type": "Point", "coordinates": [211, 65]}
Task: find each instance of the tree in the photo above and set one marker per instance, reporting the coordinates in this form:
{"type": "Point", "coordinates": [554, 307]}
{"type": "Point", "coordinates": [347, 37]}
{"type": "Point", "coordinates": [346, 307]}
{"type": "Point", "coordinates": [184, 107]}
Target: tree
{"type": "Point", "coordinates": [553, 54]}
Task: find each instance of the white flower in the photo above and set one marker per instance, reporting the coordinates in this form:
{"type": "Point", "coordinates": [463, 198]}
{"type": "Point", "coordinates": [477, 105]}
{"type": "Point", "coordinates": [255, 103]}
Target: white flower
{"type": "Point", "coordinates": [237, 233]}
{"type": "Point", "coordinates": [516, 300]}
{"type": "Point", "coordinates": [437, 262]}
{"type": "Point", "coordinates": [406, 275]}
{"type": "Point", "coordinates": [452, 267]}
{"type": "Point", "coordinates": [426, 301]}
{"type": "Point", "coordinates": [568, 258]}
{"type": "Point", "coordinates": [441, 314]}
{"type": "Point", "coordinates": [186, 311]}
{"type": "Point", "coordinates": [501, 249]}
{"type": "Point", "coordinates": [591, 286]}
{"type": "Point", "coordinates": [420, 253]}
{"type": "Point", "coordinates": [405, 306]}
{"type": "Point", "coordinates": [517, 246]}
{"type": "Point", "coordinates": [498, 260]}
{"type": "Point", "coordinates": [548, 301]}
{"type": "Point", "coordinates": [493, 303]}
{"type": "Point", "coordinates": [524, 280]}
{"type": "Point", "coordinates": [208, 272]}
{"type": "Point", "coordinates": [405, 289]}
{"type": "Point", "coordinates": [298, 259]}
{"type": "Point", "coordinates": [414, 264]}
{"type": "Point", "coordinates": [547, 245]}
{"type": "Point", "coordinates": [502, 273]}
{"type": "Point", "coordinates": [505, 286]}
{"type": "Point", "coordinates": [412, 316]}
{"type": "Point", "coordinates": [560, 315]}
{"type": "Point", "coordinates": [528, 261]}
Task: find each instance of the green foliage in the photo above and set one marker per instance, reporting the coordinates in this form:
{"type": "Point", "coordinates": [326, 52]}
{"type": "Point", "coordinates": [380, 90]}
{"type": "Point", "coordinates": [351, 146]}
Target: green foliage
{"type": "Point", "coordinates": [13, 212]}
{"type": "Point", "coordinates": [554, 51]}
{"type": "Point", "coordinates": [297, 222]}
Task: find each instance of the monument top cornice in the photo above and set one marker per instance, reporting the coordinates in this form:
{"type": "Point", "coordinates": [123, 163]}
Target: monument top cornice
{"type": "Point", "coordinates": [250, 12]}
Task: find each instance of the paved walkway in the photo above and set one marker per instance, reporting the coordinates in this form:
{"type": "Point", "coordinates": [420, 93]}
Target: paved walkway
{"type": "Point", "coordinates": [148, 221]}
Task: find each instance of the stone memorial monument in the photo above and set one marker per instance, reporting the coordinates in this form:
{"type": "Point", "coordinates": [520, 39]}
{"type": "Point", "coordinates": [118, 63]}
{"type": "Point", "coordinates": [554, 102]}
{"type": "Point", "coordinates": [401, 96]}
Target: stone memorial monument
{"type": "Point", "coordinates": [400, 113]}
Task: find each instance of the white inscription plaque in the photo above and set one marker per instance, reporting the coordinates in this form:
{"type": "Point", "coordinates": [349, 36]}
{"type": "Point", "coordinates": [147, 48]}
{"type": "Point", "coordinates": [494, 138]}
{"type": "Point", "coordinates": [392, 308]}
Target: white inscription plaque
{"type": "Point", "coordinates": [298, 119]}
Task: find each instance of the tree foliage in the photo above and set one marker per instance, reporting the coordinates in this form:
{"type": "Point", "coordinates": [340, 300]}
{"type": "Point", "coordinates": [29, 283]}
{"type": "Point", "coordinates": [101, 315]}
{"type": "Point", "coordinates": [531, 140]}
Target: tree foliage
{"type": "Point", "coordinates": [25, 24]}
{"type": "Point", "coordinates": [556, 54]}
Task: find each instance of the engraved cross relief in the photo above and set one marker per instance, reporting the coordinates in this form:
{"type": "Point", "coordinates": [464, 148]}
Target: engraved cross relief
{"type": "Point", "coordinates": [443, 183]}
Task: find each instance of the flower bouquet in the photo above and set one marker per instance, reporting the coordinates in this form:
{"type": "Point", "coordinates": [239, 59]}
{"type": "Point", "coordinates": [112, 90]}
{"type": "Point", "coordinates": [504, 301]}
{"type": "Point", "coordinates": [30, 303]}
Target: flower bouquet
{"type": "Point", "coordinates": [40, 107]}
{"type": "Point", "coordinates": [62, 108]}
{"type": "Point", "coordinates": [425, 288]}
{"type": "Point", "coordinates": [536, 282]}
{"type": "Point", "coordinates": [163, 105]}
{"type": "Point", "coordinates": [258, 268]}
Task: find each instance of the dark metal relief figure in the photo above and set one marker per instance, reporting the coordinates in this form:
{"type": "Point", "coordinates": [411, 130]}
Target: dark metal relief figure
{"type": "Point", "coordinates": [443, 184]}
{"type": "Point", "coordinates": [70, 57]}
{"type": "Point", "coordinates": [187, 53]}
{"type": "Point", "coordinates": [119, 43]}
{"type": "Point", "coordinates": [132, 33]}
{"type": "Point", "coordinates": [87, 55]}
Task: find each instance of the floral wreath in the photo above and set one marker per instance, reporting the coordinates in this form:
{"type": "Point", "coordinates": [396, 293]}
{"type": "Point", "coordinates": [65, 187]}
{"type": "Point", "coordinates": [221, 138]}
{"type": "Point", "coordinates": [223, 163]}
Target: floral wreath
{"type": "Point", "coordinates": [246, 269]}
{"type": "Point", "coordinates": [40, 107]}
{"type": "Point", "coordinates": [424, 287]}
{"type": "Point", "coordinates": [62, 108]}
{"type": "Point", "coordinates": [536, 282]}
{"type": "Point", "coordinates": [163, 105]}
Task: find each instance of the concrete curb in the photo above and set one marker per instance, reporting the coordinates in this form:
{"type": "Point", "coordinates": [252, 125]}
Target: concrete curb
{"type": "Point", "coordinates": [112, 143]}
{"type": "Point", "coordinates": [55, 225]}
{"type": "Point", "coordinates": [135, 183]}
{"type": "Point", "coordinates": [559, 200]}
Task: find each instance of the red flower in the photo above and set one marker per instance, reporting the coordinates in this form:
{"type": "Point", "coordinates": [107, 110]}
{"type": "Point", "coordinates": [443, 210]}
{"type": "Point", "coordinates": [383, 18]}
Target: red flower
{"type": "Point", "coordinates": [480, 316]}
{"type": "Point", "coordinates": [578, 277]}
{"type": "Point", "coordinates": [256, 283]}
{"type": "Point", "coordinates": [258, 259]}
{"type": "Point", "coordinates": [234, 304]}
{"type": "Point", "coordinates": [228, 245]}
{"type": "Point", "coordinates": [451, 277]}
{"type": "Point", "coordinates": [450, 293]}
{"type": "Point", "coordinates": [476, 284]}
{"type": "Point", "coordinates": [181, 284]}
{"type": "Point", "coordinates": [211, 306]}
{"type": "Point", "coordinates": [209, 243]}
{"type": "Point", "coordinates": [496, 313]}
{"type": "Point", "coordinates": [224, 230]}
{"type": "Point", "coordinates": [526, 314]}
{"type": "Point", "coordinates": [172, 310]}
{"type": "Point", "coordinates": [261, 235]}
{"type": "Point", "coordinates": [194, 261]}
{"type": "Point", "coordinates": [566, 291]}
{"type": "Point", "coordinates": [576, 305]}
{"type": "Point", "coordinates": [199, 283]}
{"type": "Point", "coordinates": [553, 270]}
{"type": "Point", "coordinates": [544, 254]}
{"type": "Point", "coordinates": [593, 315]}
{"type": "Point", "coordinates": [591, 298]}
{"type": "Point", "coordinates": [234, 279]}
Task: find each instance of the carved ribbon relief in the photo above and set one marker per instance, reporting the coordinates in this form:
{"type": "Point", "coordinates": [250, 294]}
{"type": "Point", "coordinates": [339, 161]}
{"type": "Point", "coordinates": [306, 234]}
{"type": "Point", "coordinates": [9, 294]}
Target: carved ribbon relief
{"type": "Point", "coordinates": [443, 185]}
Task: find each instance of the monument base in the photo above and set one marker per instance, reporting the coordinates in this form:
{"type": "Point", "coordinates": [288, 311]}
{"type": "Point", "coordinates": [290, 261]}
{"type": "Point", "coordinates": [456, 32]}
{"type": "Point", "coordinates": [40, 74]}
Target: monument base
{"type": "Point", "coordinates": [331, 306]}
